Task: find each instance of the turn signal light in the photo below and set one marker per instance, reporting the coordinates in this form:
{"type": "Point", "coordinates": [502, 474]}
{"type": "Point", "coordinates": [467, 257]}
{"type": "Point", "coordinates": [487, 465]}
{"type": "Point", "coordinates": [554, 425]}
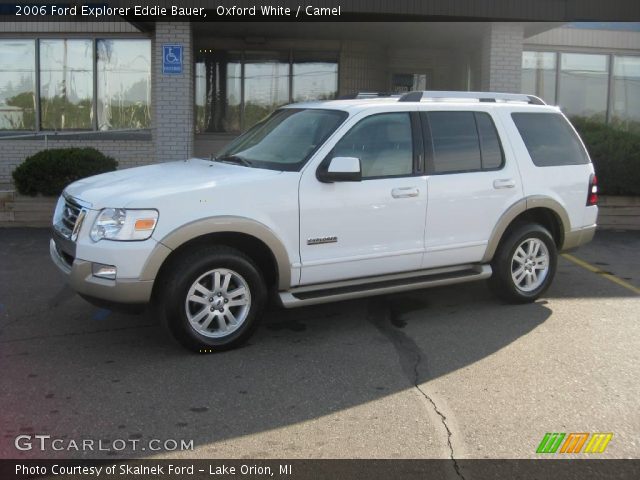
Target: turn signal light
{"type": "Point", "coordinates": [145, 224]}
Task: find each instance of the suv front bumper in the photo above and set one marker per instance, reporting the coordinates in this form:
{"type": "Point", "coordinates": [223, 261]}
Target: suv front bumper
{"type": "Point", "coordinates": [81, 279]}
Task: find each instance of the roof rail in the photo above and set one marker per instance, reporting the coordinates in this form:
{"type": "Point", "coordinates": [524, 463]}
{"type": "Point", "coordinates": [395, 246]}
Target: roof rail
{"type": "Point", "coordinates": [362, 95]}
{"type": "Point", "coordinates": [418, 96]}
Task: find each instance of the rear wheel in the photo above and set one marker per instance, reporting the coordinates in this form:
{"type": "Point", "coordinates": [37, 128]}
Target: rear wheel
{"type": "Point", "coordinates": [525, 264]}
{"type": "Point", "coordinates": [213, 299]}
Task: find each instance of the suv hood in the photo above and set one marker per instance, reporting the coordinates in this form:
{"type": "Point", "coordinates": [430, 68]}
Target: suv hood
{"type": "Point", "coordinates": [138, 187]}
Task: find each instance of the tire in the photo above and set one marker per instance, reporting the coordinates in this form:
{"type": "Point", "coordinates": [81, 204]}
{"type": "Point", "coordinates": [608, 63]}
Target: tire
{"type": "Point", "coordinates": [205, 316]}
{"type": "Point", "coordinates": [521, 275]}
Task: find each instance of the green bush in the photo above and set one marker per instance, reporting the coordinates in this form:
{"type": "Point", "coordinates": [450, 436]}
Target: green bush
{"type": "Point", "coordinates": [615, 154]}
{"type": "Point", "coordinates": [48, 172]}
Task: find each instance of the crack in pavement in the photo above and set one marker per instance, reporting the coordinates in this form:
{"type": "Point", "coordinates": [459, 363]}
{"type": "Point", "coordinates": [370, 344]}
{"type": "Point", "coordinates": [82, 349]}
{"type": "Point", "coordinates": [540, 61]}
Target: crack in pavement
{"type": "Point", "coordinates": [384, 314]}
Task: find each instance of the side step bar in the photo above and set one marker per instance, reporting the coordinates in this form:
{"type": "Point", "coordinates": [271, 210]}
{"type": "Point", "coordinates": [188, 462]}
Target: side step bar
{"type": "Point", "coordinates": [347, 290]}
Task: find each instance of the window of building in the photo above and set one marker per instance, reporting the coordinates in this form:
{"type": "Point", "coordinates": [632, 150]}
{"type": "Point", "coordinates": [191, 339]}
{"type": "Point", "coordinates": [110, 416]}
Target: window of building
{"type": "Point", "coordinates": [266, 84]}
{"type": "Point", "coordinates": [539, 75]}
{"type": "Point", "coordinates": [583, 84]}
{"type": "Point", "coordinates": [124, 84]}
{"type": "Point", "coordinates": [314, 76]}
{"type": "Point", "coordinates": [70, 97]}
{"type": "Point", "coordinates": [17, 85]}
{"type": "Point", "coordinates": [235, 90]}
{"type": "Point", "coordinates": [66, 84]}
{"type": "Point", "coordinates": [382, 142]}
{"type": "Point", "coordinates": [598, 86]}
{"type": "Point", "coordinates": [462, 141]}
{"type": "Point", "coordinates": [625, 94]}
{"type": "Point", "coordinates": [549, 139]}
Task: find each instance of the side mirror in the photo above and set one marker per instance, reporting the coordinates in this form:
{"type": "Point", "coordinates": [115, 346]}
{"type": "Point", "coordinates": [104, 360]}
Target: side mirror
{"type": "Point", "coordinates": [340, 169]}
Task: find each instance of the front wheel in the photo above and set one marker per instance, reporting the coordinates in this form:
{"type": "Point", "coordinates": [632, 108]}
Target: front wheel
{"type": "Point", "coordinates": [524, 265]}
{"type": "Point", "coordinates": [213, 299]}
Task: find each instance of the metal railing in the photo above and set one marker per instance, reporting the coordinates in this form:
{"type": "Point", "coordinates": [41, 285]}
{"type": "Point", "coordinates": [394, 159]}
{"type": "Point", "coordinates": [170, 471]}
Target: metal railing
{"type": "Point", "coordinates": [82, 133]}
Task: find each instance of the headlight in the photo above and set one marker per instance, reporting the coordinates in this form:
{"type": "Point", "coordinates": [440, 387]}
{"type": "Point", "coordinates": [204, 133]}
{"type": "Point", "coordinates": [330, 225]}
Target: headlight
{"type": "Point", "coordinates": [122, 224]}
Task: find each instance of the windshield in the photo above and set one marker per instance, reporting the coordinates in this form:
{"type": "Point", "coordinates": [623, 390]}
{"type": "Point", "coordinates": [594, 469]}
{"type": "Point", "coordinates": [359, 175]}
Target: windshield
{"type": "Point", "coordinates": [285, 140]}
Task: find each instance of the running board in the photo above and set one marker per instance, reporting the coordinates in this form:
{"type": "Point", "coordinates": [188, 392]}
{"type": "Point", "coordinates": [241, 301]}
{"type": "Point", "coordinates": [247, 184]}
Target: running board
{"type": "Point", "coordinates": [347, 290]}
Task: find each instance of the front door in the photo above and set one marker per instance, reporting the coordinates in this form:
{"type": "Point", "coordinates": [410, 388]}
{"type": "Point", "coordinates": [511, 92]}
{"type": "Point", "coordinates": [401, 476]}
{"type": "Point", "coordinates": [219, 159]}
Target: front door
{"type": "Point", "coordinates": [372, 227]}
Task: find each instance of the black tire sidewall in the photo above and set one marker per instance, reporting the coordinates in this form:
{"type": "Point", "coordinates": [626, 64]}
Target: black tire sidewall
{"type": "Point", "coordinates": [191, 268]}
{"type": "Point", "coordinates": [503, 283]}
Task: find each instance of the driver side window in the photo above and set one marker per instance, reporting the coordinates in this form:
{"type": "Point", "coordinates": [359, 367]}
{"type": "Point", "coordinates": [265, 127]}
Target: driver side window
{"type": "Point", "coordinates": [383, 143]}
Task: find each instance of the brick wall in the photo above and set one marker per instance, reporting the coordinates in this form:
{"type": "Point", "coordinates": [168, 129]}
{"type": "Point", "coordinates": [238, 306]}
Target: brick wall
{"type": "Point", "coordinates": [128, 153]}
{"type": "Point", "coordinates": [501, 57]}
{"type": "Point", "coordinates": [173, 95]}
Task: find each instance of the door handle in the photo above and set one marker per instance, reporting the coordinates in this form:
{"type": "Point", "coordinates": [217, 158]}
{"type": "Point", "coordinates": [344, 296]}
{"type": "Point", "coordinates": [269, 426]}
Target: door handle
{"type": "Point", "coordinates": [404, 192]}
{"type": "Point", "coordinates": [504, 183]}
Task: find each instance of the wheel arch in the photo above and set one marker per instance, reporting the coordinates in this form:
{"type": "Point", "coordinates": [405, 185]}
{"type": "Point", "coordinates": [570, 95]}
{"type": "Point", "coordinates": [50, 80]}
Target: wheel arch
{"type": "Point", "coordinates": [253, 238]}
{"type": "Point", "coordinates": [537, 209]}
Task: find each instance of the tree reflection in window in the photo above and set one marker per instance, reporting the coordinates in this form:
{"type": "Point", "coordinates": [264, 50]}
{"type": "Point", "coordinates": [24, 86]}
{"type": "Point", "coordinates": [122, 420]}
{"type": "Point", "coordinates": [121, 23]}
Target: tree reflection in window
{"type": "Point", "coordinates": [17, 85]}
{"type": "Point", "coordinates": [66, 84]}
{"type": "Point", "coordinates": [124, 84]}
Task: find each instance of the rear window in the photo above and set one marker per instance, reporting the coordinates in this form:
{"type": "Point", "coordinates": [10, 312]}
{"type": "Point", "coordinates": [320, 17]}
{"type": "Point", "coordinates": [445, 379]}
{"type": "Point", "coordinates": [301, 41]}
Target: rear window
{"type": "Point", "coordinates": [550, 139]}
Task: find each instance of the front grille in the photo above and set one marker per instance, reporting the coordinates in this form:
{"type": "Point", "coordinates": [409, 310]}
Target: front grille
{"type": "Point", "coordinates": [68, 221]}
{"type": "Point", "coordinates": [70, 214]}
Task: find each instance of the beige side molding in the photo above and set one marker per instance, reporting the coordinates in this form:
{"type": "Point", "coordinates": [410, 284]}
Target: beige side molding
{"type": "Point", "coordinates": [222, 224]}
{"type": "Point", "coordinates": [522, 205]}
{"type": "Point", "coordinates": [539, 201]}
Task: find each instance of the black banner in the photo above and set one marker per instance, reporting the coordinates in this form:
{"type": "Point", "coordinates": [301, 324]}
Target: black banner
{"type": "Point", "coordinates": [324, 11]}
{"type": "Point", "coordinates": [320, 469]}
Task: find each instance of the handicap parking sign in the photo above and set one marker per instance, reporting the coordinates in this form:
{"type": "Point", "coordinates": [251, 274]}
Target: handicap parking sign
{"type": "Point", "coordinates": [171, 59]}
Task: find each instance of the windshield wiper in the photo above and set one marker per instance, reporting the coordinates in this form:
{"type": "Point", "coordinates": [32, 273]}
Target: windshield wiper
{"type": "Point", "coordinates": [235, 159]}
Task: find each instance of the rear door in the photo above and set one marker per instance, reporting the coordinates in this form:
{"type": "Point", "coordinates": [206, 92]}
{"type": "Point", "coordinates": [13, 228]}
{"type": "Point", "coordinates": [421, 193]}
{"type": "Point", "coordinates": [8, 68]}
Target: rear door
{"type": "Point", "coordinates": [472, 180]}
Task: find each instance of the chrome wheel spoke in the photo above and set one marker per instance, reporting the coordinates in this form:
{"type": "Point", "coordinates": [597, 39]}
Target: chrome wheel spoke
{"type": "Point", "coordinates": [201, 314]}
{"type": "Point", "coordinates": [237, 292]}
{"type": "Point", "coordinates": [520, 255]}
{"type": "Point", "coordinates": [208, 320]}
{"type": "Point", "coordinates": [199, 299]}
{"type": "Point", "coordinates": [201, 289]}
{"type": "Point", "coordinates": [536, 248]}
{"type": "Point", "coordinates": [222, 324]}
{"type": "Point", "coordinates": [232, 319]}
{"type": "Point", "coordinates": [237, 303]}
{"type": "Point", "coordinates": [225, 283]}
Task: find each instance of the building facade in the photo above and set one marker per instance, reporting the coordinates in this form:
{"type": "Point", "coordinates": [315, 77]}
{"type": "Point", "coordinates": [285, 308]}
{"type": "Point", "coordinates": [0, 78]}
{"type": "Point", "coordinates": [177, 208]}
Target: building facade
{"type": "Point", "coordinates": [163, 91]}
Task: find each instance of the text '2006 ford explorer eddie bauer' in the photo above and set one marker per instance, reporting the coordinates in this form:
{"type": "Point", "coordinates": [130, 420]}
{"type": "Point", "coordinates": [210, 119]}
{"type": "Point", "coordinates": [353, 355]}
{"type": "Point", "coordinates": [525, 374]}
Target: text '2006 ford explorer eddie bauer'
{"type": "Point", "coordinates": [335, 200]}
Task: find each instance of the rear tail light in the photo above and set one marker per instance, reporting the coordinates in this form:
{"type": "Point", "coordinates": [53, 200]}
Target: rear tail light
{"type": "Point", "coordinates": [592, 197]}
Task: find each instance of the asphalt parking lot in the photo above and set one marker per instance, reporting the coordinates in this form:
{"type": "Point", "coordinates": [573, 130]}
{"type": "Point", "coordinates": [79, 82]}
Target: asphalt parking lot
{"type": "Point", "coordinates": [428, 374]}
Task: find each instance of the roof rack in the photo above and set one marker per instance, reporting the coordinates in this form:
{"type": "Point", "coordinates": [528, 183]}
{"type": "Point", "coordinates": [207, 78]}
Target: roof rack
{"type": "Point", "coordinates": [364, 95]}
{"type": "Point", "coordinates": [418, 96]}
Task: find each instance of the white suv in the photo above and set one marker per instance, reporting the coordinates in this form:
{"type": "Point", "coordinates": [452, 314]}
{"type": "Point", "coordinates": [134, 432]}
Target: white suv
{"type": "Point", "coordinates": [335, 200]}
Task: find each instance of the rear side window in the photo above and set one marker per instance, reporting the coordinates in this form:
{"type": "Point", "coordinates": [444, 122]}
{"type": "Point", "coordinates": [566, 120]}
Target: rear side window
{"type": "Point", "coordinates": [550, 139]}
{"type": "Point", "coordinates": [461, 142]}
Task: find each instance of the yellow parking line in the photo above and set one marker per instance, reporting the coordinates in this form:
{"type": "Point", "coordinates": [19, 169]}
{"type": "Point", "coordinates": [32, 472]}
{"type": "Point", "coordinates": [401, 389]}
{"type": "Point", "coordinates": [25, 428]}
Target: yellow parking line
{"type": "Point", "coordinates": [608, 276]}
